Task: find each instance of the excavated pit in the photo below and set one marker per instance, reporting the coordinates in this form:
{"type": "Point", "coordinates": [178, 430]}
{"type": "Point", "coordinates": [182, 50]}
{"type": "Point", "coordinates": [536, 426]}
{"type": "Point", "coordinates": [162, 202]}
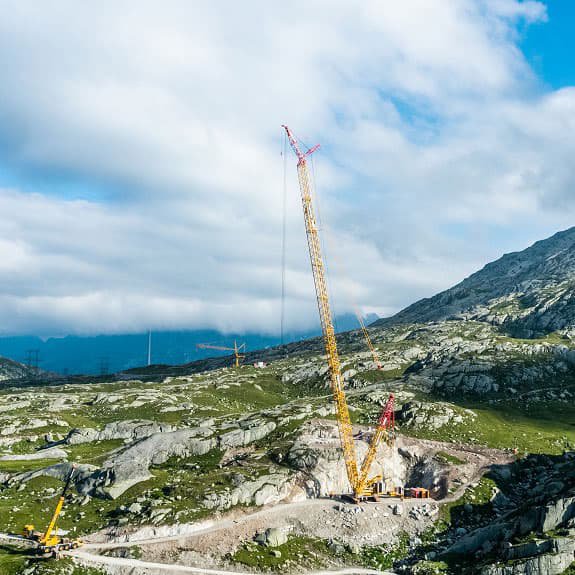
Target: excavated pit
{"type": "Point", "coordinates": [406, 462]}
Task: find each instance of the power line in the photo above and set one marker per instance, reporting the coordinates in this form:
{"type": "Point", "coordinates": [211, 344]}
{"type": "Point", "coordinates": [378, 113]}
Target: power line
{"type": "Point", "coordinates": [284, 221]}
{"type": "Point", "coordinates": [32, 362]}
{"type": "Point", "coordinates": [104, 365]}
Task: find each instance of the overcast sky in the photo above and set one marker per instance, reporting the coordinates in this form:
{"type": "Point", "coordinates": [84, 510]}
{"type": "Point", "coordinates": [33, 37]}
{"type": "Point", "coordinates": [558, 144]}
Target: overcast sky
{"type": "Point", "coordinates": [141, 176]}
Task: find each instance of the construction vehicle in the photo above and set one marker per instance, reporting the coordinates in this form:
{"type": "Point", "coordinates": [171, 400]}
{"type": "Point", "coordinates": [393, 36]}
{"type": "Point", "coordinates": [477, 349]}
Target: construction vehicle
{"type": "Point", "coordinates": [380, 490]}
{"type": "Point", "coordinates": [359, 480]}
{"type": "Point", "coordinates": [236, 349]}
{"type": "Point", "coordinates": [50, 542]}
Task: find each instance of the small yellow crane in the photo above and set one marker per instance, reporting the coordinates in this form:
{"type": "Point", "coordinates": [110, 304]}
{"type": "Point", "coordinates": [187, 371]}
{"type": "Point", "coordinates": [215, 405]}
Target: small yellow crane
{"type": "Point", "coordinates": [236, 349]}
{"type": "Point", "coordinates": [50, 541]}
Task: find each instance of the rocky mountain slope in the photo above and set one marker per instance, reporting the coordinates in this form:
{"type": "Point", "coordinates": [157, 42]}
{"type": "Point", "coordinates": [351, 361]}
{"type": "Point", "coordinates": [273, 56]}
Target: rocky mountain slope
{"type": "Point", "coordinates": [484, 420]}
{"type": "Point", "coordinates": [157, 455]}
{"type": "Point", "coordinates": [112, 353]}
{"type": "Point", "coordinates": [11, 370]}
{"type": "Point", "coordinates": [528, 293]}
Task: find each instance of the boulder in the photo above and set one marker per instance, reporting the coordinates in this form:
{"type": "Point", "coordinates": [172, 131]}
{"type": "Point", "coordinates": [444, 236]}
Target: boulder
{"type": "Point", "coordinates": [135, 508]}
{"type": "Point", "coordinates": [275, 537]}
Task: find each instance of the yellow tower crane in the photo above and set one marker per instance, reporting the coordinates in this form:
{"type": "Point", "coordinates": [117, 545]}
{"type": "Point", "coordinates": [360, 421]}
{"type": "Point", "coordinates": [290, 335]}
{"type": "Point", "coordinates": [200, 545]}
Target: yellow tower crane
{"type": "Point", "coordinates": [360, 483]}
{"type": "Point", "coordinates": [236, 349]}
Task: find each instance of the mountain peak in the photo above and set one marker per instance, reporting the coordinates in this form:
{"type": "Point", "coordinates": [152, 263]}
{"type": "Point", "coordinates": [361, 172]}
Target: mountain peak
{"type": "Point", "coordinates": [529, 293]}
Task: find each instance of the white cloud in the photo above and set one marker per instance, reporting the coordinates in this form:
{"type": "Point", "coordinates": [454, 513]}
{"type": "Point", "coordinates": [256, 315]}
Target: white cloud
{"type": "Point", "coordinates": [431, 122]}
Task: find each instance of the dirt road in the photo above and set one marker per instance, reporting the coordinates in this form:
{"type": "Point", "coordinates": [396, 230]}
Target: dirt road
{"type": "Point", "coordinates": [119, 566]}
{"type": "Point", "coordinates": [202, 548]}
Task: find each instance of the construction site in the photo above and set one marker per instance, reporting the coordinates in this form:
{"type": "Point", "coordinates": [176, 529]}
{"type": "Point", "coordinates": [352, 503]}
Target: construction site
{"type": "Point", "coordinates": [287, 288]}
{"type": "Point", "coordinates": [295, 459]}
{"type": "Point", "coordinates": [324, 490]}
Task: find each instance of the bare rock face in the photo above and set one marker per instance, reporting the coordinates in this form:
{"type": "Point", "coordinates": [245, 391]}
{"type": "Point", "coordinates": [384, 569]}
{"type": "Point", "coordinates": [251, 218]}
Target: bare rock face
{"type": "Point", "coordinates": [431, 416]}
{"type": "Point", "coordinates": [308, 372]}
{"type": "Point", "coordinates": [10, 369]}
{"type": "Point", "coordinates": [131, 466]}
{"type": "Point", "coordinates": [317, 453]}
{"type": "Point", "coordinates": [129, 430]}
{"type": "Point", "coordinates": [59, 471]}
{"type": "Point", "coordinates": [12, 406]}
{"type": "Point", "coordinates": [51, 453]}
{"type": "Point", "coordinates": [243, 436]}
{"type": "Point", "coordinates": [528, 293]}
{"type": "Point", "coordinates": [17, 426]}
{"type": "Point", "coordinates": [302, 458]}
{"type": "Point", "coordinates": [265, 490]}
{"type": "Point", "coordinates": [537, 536]}
{"type": "Point", "coordinates": [557, 513]}
{"type": "Point", "coordinates": [151, 443]}
{"type": "Point", "coordinates": [547, 517]}
{"type": "Point", "coordinates": [551, 557]}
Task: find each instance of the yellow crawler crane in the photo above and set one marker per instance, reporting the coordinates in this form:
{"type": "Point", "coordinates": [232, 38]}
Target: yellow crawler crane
{"type": "Point", "coordinates": [361, 485]}
{"type": "Point", "coordinates": [50, 541]}
{"type": "Point", "coordinates": [383, 431]}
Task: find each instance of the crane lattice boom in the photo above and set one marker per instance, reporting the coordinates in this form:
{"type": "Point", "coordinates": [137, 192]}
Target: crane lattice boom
{"type": "Point", "coordinates": [358, 480]}
{"type": "Point", "coordinates": [385, 425]}
{"type": "Point", "coordinates": [342, 411]}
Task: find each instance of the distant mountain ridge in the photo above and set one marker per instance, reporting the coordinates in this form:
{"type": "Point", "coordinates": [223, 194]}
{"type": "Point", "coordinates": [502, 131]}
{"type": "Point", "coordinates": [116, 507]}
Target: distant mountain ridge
{"type": "Point", "coordinates": [529, 293]}
{"type": "Point", "coordinates": [104, 354]}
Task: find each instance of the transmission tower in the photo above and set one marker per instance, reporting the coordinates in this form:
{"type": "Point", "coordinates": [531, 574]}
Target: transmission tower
{"type": "Point", "coordinates": [104, 365]}
{"type": "Point", "coordinates": [32, 362]}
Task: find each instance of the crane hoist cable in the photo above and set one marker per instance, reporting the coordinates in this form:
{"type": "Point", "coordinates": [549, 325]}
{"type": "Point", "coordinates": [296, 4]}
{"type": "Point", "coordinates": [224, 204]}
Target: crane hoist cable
{"type": "Point", "coordinates": [363, 328]}
{"type": "Point", "coordinates": [340, 264]}
{"type": "Point", "coordinates": [284, 226]}
{"type": "Point", "coordinates": [368, 341]}
{"type": "Point", "coordinates": [384, 430]}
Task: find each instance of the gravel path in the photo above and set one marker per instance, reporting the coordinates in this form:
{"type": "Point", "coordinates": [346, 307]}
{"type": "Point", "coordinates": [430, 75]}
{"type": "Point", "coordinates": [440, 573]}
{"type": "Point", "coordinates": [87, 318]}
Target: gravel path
{"type": "Point", "coordinates": [119, 566]}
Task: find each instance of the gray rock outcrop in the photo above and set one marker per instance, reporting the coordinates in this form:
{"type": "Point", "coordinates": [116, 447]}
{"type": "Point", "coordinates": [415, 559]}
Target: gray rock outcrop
{"type": "Point", "coordinates": [131, 465]}
{"type": "Point", "coordinates": [131, 430]}
{"type": "Point", "coordinates": [550, 557]}
{"type": "Point", "coordinates": [253, 431]}
{"type": "Point", "coordinates": [265, 490]}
